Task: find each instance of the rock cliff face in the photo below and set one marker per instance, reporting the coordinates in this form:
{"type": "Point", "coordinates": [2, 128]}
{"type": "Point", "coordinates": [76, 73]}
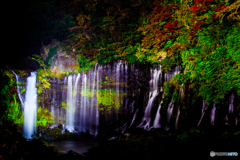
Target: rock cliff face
{"type": "Point", "coordinates": [59, 59]}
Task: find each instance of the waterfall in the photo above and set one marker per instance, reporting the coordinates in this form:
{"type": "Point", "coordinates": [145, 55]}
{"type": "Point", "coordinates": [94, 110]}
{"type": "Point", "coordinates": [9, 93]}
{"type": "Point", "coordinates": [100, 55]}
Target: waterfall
{"type": "Point", "coordinates": [83, 108]}
{"type": "Point", "coordinates": [213, 114]}
{"type": "Point", "coordinates": [30, 107]}
{"type": "Point", "coordinates": [154, 92]}
{"type": "Point", "coordinates": [126, 83]}
{"type": "Point", "coordinates": [93, 91]}
{"type": "Point", "coordinates": [169, 114]}
{"type": "Point", "coordinates": [71, 102]}
{"type": "Point", "coordinates": [134, 117]}
{"type": "Point", "coordinates": [53, 100]}
{"type": "Point", "coordinates": [97, 112]}
{"type": "Point", "coordinates": [178, 112]}
{"type": "Point", "coordinates": [69, 115]}
{"type": "Point", "coordinates": [88, 104]}
{"type": "Point", "coordinates": [230, 110]}
{"type": "Point", "coordinates": [19, 94]}
{"type": "Point", "coordinates": [204, 108]}
{"type": "Point", "coordinates": [118, 72]}
{"type": "Point", "coordinates": [80, 93]}
{"type": "Point", "coordinates": [63, 99]}
{"type": "Point", "coordinates": [75, 96]}
{"type": "Point", "coordinates": [156, 123]}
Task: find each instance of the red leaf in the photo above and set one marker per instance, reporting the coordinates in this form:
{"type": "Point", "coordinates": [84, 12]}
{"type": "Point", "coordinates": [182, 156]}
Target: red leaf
{"type": "Point", "coordinates": [218, 9]}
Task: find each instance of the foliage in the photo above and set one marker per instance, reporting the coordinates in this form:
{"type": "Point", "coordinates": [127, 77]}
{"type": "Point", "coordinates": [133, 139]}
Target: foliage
{"type": "Point", "coordinates": [44, 117]}
{"type": "Point", "coordinates": [64, 106]}
{"type": "Point", "coordinates": [42, 76]}
{"type": "Point", "coordinates": [83, 62]}
{"type": "Point", "coordinates": [199, 35]}
{"type": "Point", "coordinates": [39, 59]}
{"type": "Point", "coordinates": [51, 53]}
{"type": "Point", "coordinates": [12, 112]}
{"type": "Point", "coordinates": [89, 93]}
{"type": "Point", "coordinates": [214, 69]}
{"type": "Point", "coordinates": [107, 99]}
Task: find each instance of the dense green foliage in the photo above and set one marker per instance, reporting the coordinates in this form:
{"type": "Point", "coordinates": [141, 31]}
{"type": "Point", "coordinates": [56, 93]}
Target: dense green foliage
{"type": "Point", "coordinates": [107, 100]}
{"type": "Point", "coordinates": [10, 104]}
{"type": "Point", "coordinates": [201, 36]}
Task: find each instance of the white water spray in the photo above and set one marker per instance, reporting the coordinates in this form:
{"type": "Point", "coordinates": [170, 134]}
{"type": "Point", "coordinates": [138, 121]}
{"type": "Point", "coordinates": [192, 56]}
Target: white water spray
{"type": "Point", "coordinates": [152, 95]}
{"type": "Point", "coordinates": [30, 107]}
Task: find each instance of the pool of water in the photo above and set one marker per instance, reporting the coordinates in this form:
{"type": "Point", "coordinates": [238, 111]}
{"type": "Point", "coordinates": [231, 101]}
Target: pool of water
{"type": "Point", "coordinates": [79, 147]}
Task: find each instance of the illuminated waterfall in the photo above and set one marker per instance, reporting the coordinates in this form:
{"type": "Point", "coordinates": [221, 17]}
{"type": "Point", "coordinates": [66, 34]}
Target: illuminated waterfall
{"type": "Point", "coordinates": [154, 87]}
{"type": "Point", "coordinates": [118, 73]}
{"type": "Point", "coordinates": [213, 114]}
{"type": "Point", "coordinates": [89, 101]}
{"type": "Point", "coordinates": [157, 117]}
{"type": "Point", "coordinates": [204, 108]}
{"type": "Point", "coordinates": [30, 107]}
{"type": "Point", "coordinates": [71, 102]}
{"type": "Point", "coordinates": [19, 94]}
{"type": "Point", "coordinates": [169, 114]}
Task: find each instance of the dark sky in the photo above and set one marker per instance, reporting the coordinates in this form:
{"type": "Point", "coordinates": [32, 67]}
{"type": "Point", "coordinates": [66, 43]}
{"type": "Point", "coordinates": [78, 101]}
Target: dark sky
{"type": "Point", "coordinates": [27, 26]}
{"type": "Point", "coordinates": [16, 44]}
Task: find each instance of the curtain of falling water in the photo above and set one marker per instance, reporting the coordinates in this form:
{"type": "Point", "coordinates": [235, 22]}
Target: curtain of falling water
{"type": "Point", "coordinates": [118, 65]}
{"type": "Point", "coordinates": [75, 97]}
{"type": "Point", "coordinates": [92, 99]}
{"type": "Point", "coordinates": [156, 123]}
{"type": "Point", "coordinates": [83, 107]}
{"type": "Point", "coordinates": [230, 110]}
{"type": "Point", "coordinates": [97, 112]}
{"type": "Point", "coordinates": [152, 95]}
{"type": "Point", "coordinates": [213, 114]}
{"type": "Point", "coordinates": [178, 112]}
{"type": "Point", "coordinates": [109, 115]}
{"type": "Point", "coordinates": [126, 90]}
{"type": "Point", "coordinates": [169, 113]}
{"type": "Point", "coordinates": [88, 113]}
{"type": "Point", "coordinates": [30, 107]}
{"type": "Point", "coordinates": [204, 108]}
{"type": "Point", "coordinates": [122, 87]}
{"type": "Point", "coordinates": [88, 105]}
{"type": "Point", "coordinates": [63, 99]}
{"type": "Point", "coordinates": [167, 77]}
{"type": "Point", "coordinates": [69, 115]}
{"type": "Point", "coordinates": [72, 102]}
{"type": "Point", "coordinates": [53, 86]}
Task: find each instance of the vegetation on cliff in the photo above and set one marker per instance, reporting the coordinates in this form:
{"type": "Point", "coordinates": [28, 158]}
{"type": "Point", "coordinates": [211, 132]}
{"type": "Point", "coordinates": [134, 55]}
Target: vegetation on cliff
{"type": "Point", "coordinates": [201, 36]}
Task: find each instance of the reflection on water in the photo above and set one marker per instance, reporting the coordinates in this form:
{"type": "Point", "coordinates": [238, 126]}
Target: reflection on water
{"type": "Point", "coordinates": [77, 146]}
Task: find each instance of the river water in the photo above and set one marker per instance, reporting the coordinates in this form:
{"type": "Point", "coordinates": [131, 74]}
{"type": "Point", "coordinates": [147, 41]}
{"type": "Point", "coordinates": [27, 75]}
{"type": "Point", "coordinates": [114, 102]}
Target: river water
{"type": "Point", "coordinates": [79, 147]}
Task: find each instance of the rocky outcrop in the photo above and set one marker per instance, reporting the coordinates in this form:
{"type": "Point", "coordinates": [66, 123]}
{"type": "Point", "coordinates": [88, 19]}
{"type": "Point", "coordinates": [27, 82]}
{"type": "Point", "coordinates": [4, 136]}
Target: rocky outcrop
{"type": "Point", "coordinates": [59, 59]}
